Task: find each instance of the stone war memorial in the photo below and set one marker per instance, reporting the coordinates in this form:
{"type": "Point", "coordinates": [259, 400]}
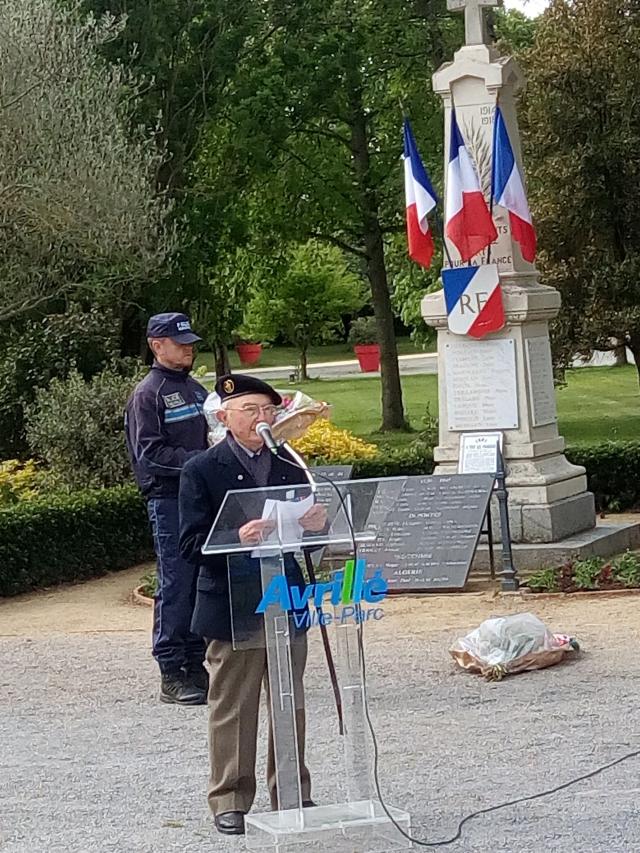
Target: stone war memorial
{"type": "Point", "coordinates": [504, 381]}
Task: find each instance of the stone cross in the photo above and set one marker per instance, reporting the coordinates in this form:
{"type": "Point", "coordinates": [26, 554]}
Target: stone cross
{"type": "Point", "coordinates": [474, 23]}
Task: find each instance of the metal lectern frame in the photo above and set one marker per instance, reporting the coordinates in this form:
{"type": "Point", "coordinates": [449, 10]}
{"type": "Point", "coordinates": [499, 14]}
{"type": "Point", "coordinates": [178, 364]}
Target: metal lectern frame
{"type": "Point", "coordinates": [360, 822]}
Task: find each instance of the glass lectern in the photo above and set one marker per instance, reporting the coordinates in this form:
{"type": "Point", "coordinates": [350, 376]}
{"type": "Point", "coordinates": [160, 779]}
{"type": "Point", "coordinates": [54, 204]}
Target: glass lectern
{"type": "Point", "coordinates": [273, 607]}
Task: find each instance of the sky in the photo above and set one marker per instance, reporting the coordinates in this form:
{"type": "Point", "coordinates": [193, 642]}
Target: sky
{"type": "Point", "coordinates": [531, 8]}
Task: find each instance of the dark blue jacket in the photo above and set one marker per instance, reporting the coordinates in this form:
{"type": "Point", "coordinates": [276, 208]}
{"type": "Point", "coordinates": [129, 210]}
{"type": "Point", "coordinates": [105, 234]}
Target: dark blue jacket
{"type": "Point", "coordinates": [165, 426]}
{"type": "Point", "coordinates": [204, 483]}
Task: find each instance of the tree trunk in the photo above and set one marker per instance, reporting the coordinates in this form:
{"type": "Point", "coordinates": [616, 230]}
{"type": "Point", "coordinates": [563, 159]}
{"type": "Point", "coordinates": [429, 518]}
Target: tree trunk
{"type": "Point", "coordinates": [221, 355]}
{"type": "Point", "coordinates": [392, 407]}
{"type": "Point", "coordinates": [633, 342]}
{"type": "Point", "coordinates": [304, 376]}
{"type": "Point", "coordinates": [620, 354]}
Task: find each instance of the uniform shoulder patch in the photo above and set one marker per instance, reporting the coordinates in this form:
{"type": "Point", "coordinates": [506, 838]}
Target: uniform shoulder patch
{"type": "Point", "coordinates": [172, 401]}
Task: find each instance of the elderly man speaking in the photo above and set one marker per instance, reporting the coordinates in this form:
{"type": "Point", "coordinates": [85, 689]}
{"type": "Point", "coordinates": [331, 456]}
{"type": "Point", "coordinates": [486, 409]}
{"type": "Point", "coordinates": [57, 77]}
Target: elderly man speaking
{"type": "Point", "coordinates": [241, 461]}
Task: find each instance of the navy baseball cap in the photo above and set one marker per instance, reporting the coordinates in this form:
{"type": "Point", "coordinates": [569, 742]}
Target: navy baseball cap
{"type": "Point", "coordinates": [174, 326]}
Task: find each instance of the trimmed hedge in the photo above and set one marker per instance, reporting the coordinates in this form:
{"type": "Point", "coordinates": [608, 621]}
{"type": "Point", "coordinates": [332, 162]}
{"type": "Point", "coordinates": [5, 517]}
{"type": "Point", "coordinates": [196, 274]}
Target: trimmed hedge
{"type": "Point", "coordinates": [398, 462]}
{"type": "Point", "coordinates": [613, 472]}
{"type": "Point", "coordinates": [613, 469]}
{"type": "Point", "coordinates": [71, 537]}
{"type": "Point", "coordinates": [60, 538]}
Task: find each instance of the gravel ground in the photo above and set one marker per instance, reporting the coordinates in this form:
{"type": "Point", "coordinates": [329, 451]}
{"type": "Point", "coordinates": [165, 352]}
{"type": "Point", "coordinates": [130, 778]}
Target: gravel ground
{"type": "Point", "coordinates": [91, 761]}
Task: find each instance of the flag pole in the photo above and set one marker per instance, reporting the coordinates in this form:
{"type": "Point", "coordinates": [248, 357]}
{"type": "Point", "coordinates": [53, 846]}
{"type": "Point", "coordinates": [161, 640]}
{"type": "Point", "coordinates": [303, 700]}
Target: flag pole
{"type": "Point", "coordinates": [453, 109]}
{"type": "Point", "coordinates": [440, 225]}
{"type": "Point", "coordinates": [437, 218]}
{"type": "Point", "coordinates": [493, 166]}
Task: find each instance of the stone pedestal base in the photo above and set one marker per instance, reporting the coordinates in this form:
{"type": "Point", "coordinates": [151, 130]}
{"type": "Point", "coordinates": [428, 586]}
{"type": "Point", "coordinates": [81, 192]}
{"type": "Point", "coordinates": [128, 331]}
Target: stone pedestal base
{"type": "Point", "coordinates": [603, 540]}
{"type": "Point", "coordinates": [552, 522]}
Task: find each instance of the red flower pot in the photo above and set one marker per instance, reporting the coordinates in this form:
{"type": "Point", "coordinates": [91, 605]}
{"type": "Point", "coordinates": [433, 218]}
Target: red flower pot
{"type": "Point", "coordinates": [249, 353]}
{"type": "Point", "coordinates": [368, 357]}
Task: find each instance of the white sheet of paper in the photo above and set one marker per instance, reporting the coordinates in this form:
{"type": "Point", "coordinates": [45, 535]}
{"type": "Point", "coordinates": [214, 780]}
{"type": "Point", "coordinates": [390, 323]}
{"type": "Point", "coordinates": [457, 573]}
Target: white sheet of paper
{"type": "Point", "coordinates": [288, 529]}
{"type": "Point", "coordinates": [269, 510]}
{"type": "Point", "coordinates": [289, 515]}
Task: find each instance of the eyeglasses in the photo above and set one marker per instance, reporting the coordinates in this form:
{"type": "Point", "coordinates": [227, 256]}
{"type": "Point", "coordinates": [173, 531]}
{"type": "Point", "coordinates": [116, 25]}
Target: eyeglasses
{"type": "Point", "coordinates": [252, 409]}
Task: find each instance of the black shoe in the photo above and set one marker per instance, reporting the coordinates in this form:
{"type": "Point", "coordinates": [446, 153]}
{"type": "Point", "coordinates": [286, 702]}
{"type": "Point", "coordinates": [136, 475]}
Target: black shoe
{"type": "Point", "coordinates": [197, 676]}
{"type": "Point", "coordinates": [230, 823]}
{"type": "Point", "coordinates": [175, 690]}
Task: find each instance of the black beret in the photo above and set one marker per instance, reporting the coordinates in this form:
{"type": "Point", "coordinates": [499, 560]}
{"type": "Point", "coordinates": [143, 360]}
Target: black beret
{"type": "Point", "coordinates": [238, 384]}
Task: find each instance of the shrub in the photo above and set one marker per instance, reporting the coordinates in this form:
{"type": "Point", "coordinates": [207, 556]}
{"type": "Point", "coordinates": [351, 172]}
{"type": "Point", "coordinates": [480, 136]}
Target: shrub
{"type": "Point", "coordinates": [327, 444]}
{"type": "Point", "coordinates": [18, 481]}
{"type": "Point", "coordinates": [149, 584]}
{"type": "Point", "coordinates": [544, 580]}
{"type": "Point", "coordinates": [33, 353]}
{"type": "Point", "coordinates": [398, 462]}
{"type": "Point", "coordinates": [586, 573]}
{"type": "Point", "coordinates": [626, 569]}
{"type": "Point", "coordinates": [430, 433]}
{"type": "Point", "coordinates": [77, 429]}
{"type": "Point", "coordinates": [364, 330]}
{"type": "Point", "coordinates": [61, 538]}
{"type": "Point", "coordinates": [613, 472]}
{"type": "Point", "coordinates": [592, 573]}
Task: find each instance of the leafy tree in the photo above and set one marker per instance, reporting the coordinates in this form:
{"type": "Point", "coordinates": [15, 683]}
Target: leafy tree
{"type": "Point", "coordinates": [582, 144]}
{"type": "Point", "coordinates": [306, 302]}
{"type": "Point", "coordinates": [512, 30]}
{"type": "Point", "coordinates": [185, 53]}
{"type": "Point", "coordinates": [218, 311]}
{"type": "Point", "coordinates": [78, 210]}
{"type": "Point", "coordinates": [313, 117]}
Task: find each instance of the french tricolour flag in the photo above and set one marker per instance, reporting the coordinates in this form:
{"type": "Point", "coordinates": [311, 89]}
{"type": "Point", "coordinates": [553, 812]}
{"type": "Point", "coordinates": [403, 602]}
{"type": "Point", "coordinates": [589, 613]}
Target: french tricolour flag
{"type": "Point", "coordinates": [508, 190]}
{"type": "Point", "coordinates": [469, 225]}
{"type": "Point", "coordinates": [474, 300]}
{"type": "Point", "coordinates": [420, 200]}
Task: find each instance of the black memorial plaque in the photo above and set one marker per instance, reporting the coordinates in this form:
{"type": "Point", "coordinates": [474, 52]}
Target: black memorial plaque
{"type": "Point", "coordinates": [428, 539]}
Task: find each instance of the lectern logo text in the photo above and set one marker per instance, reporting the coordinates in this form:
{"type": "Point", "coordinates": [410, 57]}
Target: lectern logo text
{"type": "Point", "coordinates": [349, 592]}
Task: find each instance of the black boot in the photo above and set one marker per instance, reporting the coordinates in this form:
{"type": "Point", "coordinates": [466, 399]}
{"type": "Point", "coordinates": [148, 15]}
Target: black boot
{"type": "Point", "coordinates": [198, 677]}
{"type": "Point", "coordinates": [176, 690]}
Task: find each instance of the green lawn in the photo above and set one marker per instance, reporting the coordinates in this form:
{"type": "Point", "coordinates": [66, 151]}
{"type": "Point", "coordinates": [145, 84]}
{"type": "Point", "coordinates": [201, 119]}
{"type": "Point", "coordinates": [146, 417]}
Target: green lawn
{"type": "Point", "coordinates": [279, 356]}
{"type": "Point", "coordinates": [598, 404]}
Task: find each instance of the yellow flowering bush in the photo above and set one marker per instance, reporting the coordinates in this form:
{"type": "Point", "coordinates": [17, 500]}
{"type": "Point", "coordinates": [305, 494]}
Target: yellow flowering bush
{"type": "Point", "coordinates": [18, 481]}
{"type": "Point", "coordinates": [323, 440]}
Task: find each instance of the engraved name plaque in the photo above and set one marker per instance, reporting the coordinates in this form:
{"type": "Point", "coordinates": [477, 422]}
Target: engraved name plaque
{"type": "Point", "coordinates": [430, 535]}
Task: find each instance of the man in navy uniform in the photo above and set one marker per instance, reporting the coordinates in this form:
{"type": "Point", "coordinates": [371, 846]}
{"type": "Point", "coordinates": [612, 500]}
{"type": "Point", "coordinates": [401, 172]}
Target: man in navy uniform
{"type": "Point", "coordinates": [165, 426]}
{"type": "Point", "coordinates": [241, 461]}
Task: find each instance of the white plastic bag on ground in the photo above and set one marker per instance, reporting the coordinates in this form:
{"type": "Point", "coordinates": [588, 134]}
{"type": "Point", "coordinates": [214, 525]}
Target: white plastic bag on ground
{"type": "Point", "coordinates": [509, 644]}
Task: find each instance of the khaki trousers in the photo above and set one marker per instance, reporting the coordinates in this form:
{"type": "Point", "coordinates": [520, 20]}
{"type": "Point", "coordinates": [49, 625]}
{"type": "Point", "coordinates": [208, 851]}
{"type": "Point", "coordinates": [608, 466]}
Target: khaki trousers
{"type": "Point", "coordinates": [234, 702]}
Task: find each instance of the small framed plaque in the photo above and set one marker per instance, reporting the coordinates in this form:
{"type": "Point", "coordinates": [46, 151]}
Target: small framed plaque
{"type": "Point", "coordinates": [479, 452]}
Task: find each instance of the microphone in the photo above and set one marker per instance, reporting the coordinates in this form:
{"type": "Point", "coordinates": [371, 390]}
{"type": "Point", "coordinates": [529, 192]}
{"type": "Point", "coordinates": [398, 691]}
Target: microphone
{"type": "Point", "coordinates": [264, 431]}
